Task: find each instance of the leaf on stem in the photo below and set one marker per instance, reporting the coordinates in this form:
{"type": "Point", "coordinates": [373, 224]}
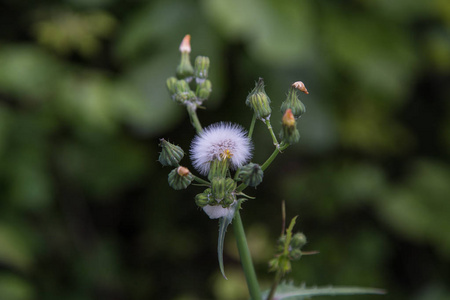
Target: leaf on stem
{"type": "Point", "coordinates": [291, 292]}
{"type": "Point", "coordinates": [223, 224]}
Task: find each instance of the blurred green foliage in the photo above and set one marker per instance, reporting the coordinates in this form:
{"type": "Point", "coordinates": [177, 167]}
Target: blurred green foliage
{"type": "Point", "coordinates": [86, 212]}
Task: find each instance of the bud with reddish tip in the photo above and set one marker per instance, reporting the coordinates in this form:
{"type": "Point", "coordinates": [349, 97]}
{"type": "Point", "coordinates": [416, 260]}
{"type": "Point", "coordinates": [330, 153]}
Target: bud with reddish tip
{"type": "Point", "coordinates": [185, 69]}
{"type": "Point", "coordinates": [293, 102]}
{"type": "Point", "coordinates": [289, 134]}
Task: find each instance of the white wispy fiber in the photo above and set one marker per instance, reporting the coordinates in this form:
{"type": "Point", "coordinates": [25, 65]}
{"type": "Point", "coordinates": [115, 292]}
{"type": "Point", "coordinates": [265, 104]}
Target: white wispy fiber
{"type": "Point", "coordinates": [217, 211]}
{"type": "Point", "coordinates": [215, 140]}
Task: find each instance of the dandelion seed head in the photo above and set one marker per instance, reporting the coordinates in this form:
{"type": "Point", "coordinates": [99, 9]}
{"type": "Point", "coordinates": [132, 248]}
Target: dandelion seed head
{"type": "Point", "coordinates": [220, 141]}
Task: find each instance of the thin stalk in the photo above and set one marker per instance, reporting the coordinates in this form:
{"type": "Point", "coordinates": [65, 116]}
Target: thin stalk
{"type": "Point", "coordinates": [275, 283]}
{"type": "Point", "coordinates": [246, 259]}
{"type": "Point", "coordinates": [199, 180]}
{"type": "Point", "coordinates": [274, 138]}
{"type": "Point", "coordinates": [192, 110]}
{"type": "Point", "coordinates": [267, 163]}
{"type": "Point", "coordinates": [252, 126]}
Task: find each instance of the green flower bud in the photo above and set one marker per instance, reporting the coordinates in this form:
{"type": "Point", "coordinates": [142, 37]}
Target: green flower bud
{"type": "Point", "coordinates": [230, 185]}
{"type": "Point", "coordinates": [202, 199]}
{"type": "Point", "coordinates": [185, 69]}
{"type": "Point", "coordinates": [181, 86]}
{"type": "Point", "coordinates": [218, 188]}
{"type": "Point", "coordinates": [183, 92]}
{"type": "Point", "coordinates": [171, 154]}
{"type": "Point", "coordinates": [204, 90]}
{"type": "Point", "coordinates": [251, 174]}
{"type": "Point", "coordinates": [259, 101]}
{"type": "Point", "coordinates": [298, 240]}
{"type": "Point", "coordinates": [280, 243]}
{"type": "Point", "coordinates": [289, 133]}
{"type": "Point", "coordinates": [228, 200]}
{"type": "Point", "coordinates": [201, 68]}
{"type": "Point", "coordinates": [295, 254]}
{"type": "Point", "coordinates": [293, 102]}
{"type": "Point", "coordinates": [171, 85]}
{"type": "Point", "coordinates": [180, 178]}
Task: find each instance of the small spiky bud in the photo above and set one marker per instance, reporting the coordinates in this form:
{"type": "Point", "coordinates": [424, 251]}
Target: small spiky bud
{"type": "Point", "coordinates": [295, 254]}
{"type": "Point", "coordinates": [298, 240]}
{"type": "Point", "coordinates": [293, 102]}
{"type": "Point", "coordinates": [251, 174]}
{"type": "Point", "coordinates": [171, 154]}
{"type": "Point", "coordinates": [259, 101]}
{"type": "Point", "coordinates": [289, 133]}
{"type": "Point", "coordinates": [180, 178]}
{"type": "Point", "coordinates": [201, 68]}
{"type": "Point", "coordinates": [185, 69]}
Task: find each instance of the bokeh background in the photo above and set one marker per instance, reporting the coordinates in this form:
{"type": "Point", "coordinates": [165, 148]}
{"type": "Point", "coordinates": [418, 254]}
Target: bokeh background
{"type": "Point", "coordinates": [85, 209]}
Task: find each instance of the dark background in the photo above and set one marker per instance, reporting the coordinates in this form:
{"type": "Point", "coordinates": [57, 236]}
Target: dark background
{"type": "Point", "coordinates": [85, 209]}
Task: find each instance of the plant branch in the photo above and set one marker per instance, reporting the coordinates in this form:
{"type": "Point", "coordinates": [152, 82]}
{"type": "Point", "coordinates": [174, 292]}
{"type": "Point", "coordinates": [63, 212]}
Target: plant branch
{"type": "Point", "coordinates": [252, 126]}
{"type": "Point", "coordinates": [192, 110]}
{"type": "Point", "coordinates": [246, 259]}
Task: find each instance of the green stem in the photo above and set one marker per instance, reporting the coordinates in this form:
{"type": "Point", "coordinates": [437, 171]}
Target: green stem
{"type": "Point", "coordinates": [246, 259]}
{"type": "Point", "coordinates": [274, 138]}
{"type": "Point", "coordinates": [275, 283]}
{"type": "Point", "coordinates": [199, 180]}
{"type": "Point", "coordinates": [267, 163]}
{"type": "Point", "coordinates": [192, 110]}
{"type": "Point", "coordinates": [252, 126]}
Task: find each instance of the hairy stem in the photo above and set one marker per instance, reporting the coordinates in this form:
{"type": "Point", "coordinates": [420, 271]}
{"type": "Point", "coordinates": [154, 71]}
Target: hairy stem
{"type": "Point", "coordinates": [192, 110]}
{"type": "Point", "coordinates": [275, 283]}
{"type": "Point", "coordinates": [199, 180]}
{"type": "Point", "coordinates": [281, 147]}
{"type": "Point", "coordinates": [252, 126]}
{"type": "Point", "coordinates": [246, 259]}
{"type": "Point", "coordinates": [274, 138]}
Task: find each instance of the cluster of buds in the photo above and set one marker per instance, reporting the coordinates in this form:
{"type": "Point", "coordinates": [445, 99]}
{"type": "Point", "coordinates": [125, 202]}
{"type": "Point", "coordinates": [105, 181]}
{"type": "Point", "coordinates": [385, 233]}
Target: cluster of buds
{"type": "Point", "coordinates": [180, 177]}
{"type": "Point", "coordinates": [182, 88]}
{"type": "Point", "coordinates": [292, 109]}
{"type": "Point", "coordinates": [288, 249]}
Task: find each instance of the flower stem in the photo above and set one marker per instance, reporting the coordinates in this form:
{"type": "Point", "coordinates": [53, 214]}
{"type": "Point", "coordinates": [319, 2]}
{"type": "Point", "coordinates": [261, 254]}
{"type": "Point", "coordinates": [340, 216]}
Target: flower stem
{"type": "Point", "coordinates": [252, 126]}
{"type": "Point", "coordinates": [246, 259]}
{"type": "Point", "coordinates": [267, 163]}
{"type": "Point", "coordinates": [192, 110]}
{"type": "Point", "coordinates": [275, 283]}
{"type": "Point", "coordinates": [274, 138]}
{"type": "Point", "coordinates": [199, 180]}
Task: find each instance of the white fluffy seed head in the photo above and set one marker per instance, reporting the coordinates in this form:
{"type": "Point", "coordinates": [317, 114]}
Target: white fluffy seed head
{"type": "Point", "coordinates": [219, 139]}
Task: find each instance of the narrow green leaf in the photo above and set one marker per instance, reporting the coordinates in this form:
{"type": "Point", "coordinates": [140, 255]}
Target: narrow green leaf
{"type": "Point", "coordinates": [288, 291]}
{"type": "Point", "coordinates": [223, 224]}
